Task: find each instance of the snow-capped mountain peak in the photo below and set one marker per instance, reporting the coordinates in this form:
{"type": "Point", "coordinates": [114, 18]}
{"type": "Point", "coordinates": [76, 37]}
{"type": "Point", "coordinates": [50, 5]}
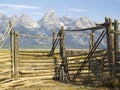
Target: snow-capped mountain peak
{"type": "Point", "coordinates": [44, 27]}
{"type": "Point", "coordinates": [25, 21]}
{"type": "Point", "coordinates": [49, 20]}
{"type": "Point", "coordinates": [86, 21]}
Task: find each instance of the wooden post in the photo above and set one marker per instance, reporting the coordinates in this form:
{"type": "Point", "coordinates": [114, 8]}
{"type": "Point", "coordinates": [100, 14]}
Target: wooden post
{"type": "Point", "coordinates": [63, 66]}
{"type": "Point", "coordinates": [12, 48]}
{"type": "Point", "coordinates": [53, 40]}
{"type": "Point", "coordinates": [108, 43]}
{"type": "Point", "coordinates": [110, 46]}
{"type": "Point", "coordinates": [53, 37]}
{"type": "Point", "coordinates": [90, 48]}
{"type": "Point", "coordinates": [91, 39]}
{"type": "Point", "coordinates": [116, 44]}
{"type": "Point", "coordinates": [16, 61]}
{"type": "Point", "coordinates": [62, 43]}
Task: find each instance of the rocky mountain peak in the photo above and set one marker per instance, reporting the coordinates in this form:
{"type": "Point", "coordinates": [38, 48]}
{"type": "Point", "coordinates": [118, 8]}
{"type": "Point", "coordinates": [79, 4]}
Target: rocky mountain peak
{"type": "Point", "coordinates": [86, 21]}
{"type": "Point", "coordinates": [27, 22]}
{"type": "Point", "coordinates": [50, 16]}
{"type": "Point", "coordinates": [50, 12]}
{"type": "Point", "coordinates": [24, 16]}
{"type": "Point", "coordinates": [48, 23]}
{"type": "Point", "coordinates": [49, 20]}
{"type": "Point", "coordinates": [3, 17]}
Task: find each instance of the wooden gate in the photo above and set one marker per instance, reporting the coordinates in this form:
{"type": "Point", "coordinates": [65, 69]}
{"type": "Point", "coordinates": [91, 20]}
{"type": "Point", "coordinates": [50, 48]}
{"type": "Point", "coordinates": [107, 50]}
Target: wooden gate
{"type": "Point", "coordinates": [91, 67]}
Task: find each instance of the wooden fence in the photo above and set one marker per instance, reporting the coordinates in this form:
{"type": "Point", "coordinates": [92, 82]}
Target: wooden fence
{"type": "Point", "coordinates": [5, 66]}
{"type": "Point", "coordinates": [96, 62]}
{"type": "Point", "coordinates": [71, 66]}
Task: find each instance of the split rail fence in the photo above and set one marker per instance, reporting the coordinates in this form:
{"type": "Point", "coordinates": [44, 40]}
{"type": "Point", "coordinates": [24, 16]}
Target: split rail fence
{"type": "Point", "coordinates": [91, 67]}
{"type": "Point", "coordinates": [71, 68]}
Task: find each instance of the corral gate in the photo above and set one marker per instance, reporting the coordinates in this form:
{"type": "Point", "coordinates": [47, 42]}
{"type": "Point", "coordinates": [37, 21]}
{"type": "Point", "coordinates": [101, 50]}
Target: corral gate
{"type": "Point", "coordinates": [86, 68]}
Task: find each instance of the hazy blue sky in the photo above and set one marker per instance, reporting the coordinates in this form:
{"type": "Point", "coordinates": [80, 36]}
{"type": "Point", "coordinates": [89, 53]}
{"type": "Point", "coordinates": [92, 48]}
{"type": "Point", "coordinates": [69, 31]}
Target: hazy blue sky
{"type": "Point", "coordinates": [96, 10]}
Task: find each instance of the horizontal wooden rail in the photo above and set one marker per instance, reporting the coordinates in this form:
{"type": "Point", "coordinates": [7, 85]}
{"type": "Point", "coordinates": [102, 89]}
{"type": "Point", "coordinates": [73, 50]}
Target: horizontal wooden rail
{"type": "Point", "coordinates": [42, 54]}
{"type": "Point", "coordinates": [80, 62]}
{"type": "Point", "coordinates": [5, 56]}
{"type": "Point", "coordinates": [34, 51]}
{"type": "Point", "coordinates": [6, 60]}
{"type": "Point", "coordinates": [91, 28]}
{"type": "Point", "coordinates": [84, 54]}
{"type": "Point", "coordinates": [6, 80]}
{"type": "Point", "coordinates": [94, 56]}
{"type": "Point", "coordinates": [5, 76]}
{"type": "Point", "coordinates": [30, 36]}
{"type": "Point", "coordinates": [36, 61]}
{"type": "Point", "coordinates": [76, 58]}
{"type": "Point", "coordinates": [6, 71]}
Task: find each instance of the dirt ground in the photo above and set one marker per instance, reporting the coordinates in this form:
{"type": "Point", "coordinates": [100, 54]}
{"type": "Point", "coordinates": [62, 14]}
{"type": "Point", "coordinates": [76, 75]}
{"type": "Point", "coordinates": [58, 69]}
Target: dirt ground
{"type": "Point", "coordinates": [47, 85]}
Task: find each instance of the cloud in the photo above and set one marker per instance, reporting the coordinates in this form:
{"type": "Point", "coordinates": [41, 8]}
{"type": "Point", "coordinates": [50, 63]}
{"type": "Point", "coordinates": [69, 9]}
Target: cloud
{"type": "Point", "coordinates": [2, 11]}
{"type": "Point", "coordinates": [77, 10]}
{"type": "Point", "coordinates": [18, 6]}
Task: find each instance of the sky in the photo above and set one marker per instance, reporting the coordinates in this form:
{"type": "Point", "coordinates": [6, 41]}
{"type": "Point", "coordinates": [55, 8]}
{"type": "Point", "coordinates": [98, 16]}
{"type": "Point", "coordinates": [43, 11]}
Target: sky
{"type": "Point", "coordinates": [96, 10]}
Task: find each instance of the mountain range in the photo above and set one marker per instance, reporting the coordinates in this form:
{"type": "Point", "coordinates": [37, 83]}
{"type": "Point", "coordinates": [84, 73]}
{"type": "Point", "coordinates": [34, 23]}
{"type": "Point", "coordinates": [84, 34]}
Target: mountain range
{"type": "Point", "coordinates": [48, 24]}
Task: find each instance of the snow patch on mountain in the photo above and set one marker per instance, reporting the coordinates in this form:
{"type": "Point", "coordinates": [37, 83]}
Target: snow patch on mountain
{"type": "Point", "coordinates": [25, 21]}
{"type": "Point", "coordinates": [49, 21]}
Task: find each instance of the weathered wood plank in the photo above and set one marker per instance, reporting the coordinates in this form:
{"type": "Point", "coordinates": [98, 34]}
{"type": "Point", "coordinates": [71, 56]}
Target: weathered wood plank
{"type": "Point", "coordinates": [62, 43]}
{"type": "Point", "coordinates": [16, 61]}
{"type": "Point", "coordinates": [5, 60]}
{"type": "Point", "coordinates": [36, 71]}
{"type": "Point", "coordinates": [6, 71]}
{"type": "Point", "coordinates": [37, 61]}
{"type": "Point", "coordinates": [36, 68]}
{"type": "Point", "coordinates": [5, 56]}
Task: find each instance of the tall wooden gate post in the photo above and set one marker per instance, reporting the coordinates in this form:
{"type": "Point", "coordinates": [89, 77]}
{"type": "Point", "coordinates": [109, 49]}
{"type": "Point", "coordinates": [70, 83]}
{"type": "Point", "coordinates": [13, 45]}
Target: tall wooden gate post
{"type": "Point", "coordinates": [116, 36]}
{"type": "Point", "coordinates": [116, 44]}
{"type": "Point", "coordinates": [12, 48]}
{"type": "Point", "coordinates": [16, 61]}
{"type": "Point", "coordinates": [91, 46]}
{"type": "Point", "coordinates": [63, 68]}
{"type": "Point", "coordinates": [62, 43]}
{"type": "Point", "coordinates": [110, 46]}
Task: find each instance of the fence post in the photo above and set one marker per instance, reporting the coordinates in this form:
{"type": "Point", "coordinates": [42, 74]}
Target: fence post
{"type": "Point", "coordinates": [110, 45]}
{"type": "Point", "coordinates": [90, 47]}
{"type": "Point", "coordinates": [16, 61]}
{"type": "Point", "coordinates": [62, 43]}
{"type": "Point", "coordinates": [116, 44]}
{"type": "Point", "coordinates": [53, 40]}
{"type": "Point", "coordinates": [116, 36]}
{"type": "Point", "coordinates": [91, 39]}
{"type": "Point", "coordinates": [63, 67]}
{"type": "Point", "coordinates": [12, 48]}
